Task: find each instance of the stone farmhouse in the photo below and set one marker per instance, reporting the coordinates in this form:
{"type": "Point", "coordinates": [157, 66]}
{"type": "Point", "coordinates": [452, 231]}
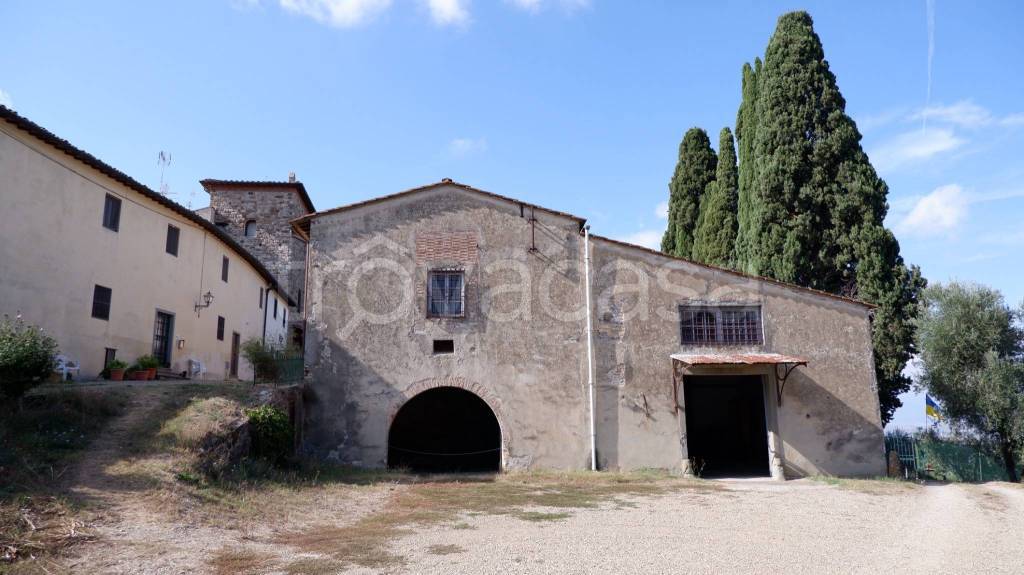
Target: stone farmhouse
{"type": "Point", "coordinates": [451, 328]}
{"type": "Point", "coordinates": [114, 270]}
{"type": "Point", "coordinates": [445, 328]}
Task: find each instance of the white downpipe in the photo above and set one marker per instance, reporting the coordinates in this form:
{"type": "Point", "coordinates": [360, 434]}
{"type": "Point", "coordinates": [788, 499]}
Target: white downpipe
{"type": "Point", "coordinates": [590, 349]}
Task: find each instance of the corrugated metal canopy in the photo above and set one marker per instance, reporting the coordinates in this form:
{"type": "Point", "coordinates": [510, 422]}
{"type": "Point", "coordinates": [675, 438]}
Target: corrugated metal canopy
{"type": "Point", "coordinates": [737, 359]}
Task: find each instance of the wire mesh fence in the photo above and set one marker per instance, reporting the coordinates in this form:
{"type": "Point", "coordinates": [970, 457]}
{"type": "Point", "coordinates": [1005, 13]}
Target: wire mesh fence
{"type": "Point", "coordinates": [926, 455]}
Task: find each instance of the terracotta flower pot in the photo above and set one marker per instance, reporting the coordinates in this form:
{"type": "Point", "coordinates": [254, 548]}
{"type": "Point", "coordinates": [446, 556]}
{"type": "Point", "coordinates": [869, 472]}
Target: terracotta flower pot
{"type": "Point", "coordinates": [117, 375]}
{"type": "Point", "coordinates": [138, 375]}
{"type": "Point", "coordinates": [151, 373]}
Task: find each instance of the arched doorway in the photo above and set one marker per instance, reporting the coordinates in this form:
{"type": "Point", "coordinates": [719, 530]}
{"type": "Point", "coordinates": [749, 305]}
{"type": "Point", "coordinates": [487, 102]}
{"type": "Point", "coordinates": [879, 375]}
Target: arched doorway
{"type": "Point", "coordinates": [442, 430]}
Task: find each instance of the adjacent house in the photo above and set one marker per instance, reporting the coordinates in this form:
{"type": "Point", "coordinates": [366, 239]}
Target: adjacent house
{"type": "Point", "coordinates": [113, 269]}
{"type": "Point", "coordinates": [449, 328]}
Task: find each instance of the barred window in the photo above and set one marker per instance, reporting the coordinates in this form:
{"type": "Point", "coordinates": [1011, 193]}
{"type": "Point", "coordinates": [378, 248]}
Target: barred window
{"type": "Point", "coordinates": [445, 294]}
{"type": "Point", "coordinates": [724, 325]}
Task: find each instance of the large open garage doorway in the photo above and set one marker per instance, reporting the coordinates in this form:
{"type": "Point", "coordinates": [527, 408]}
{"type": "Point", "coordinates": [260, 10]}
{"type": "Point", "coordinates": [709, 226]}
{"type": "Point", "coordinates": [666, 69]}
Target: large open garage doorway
{"type": "Point", "coordinates": [726, 434]}
{"type": "Point", "coordinates": [445, 429]}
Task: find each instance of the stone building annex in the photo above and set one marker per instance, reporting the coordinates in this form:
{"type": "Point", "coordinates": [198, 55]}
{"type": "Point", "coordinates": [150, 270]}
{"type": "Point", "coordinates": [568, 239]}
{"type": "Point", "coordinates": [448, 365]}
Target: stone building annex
{"type": "Point", "coordinates": [449, 328]}
{"type": "Point", "coordinates": [445, 327]}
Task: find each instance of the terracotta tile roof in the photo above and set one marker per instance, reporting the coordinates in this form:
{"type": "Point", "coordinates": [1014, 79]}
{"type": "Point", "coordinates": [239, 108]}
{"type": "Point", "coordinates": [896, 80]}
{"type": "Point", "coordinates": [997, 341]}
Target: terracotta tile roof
{"type": "Point", "coordinates": [297, 186]}
{"type": "Point", "coordinates": [49, 138]}
{"type": "Point", "coordinates": [737, 359]}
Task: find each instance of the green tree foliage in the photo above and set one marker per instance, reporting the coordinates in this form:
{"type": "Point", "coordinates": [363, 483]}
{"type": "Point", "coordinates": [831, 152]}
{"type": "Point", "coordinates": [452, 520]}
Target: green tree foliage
{"type": "Point", "coordinates": [26, 358]}
{"type": "Point", "coordinates": [271, 432]}
{"type": "Point", "coordinates": [971, 354]}
{"type": "Point", "coordinates": [694, 171]}
{"type": "Point", "coordinates": [746, 128]}
{"type": "Point", "coordinates": [811, 206]}
{"type": "Point", "coordinates": [716, 225]}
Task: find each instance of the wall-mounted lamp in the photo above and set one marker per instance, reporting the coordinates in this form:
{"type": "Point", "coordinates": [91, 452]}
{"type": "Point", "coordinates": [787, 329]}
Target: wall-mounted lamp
{"type": "Point", "coordinates": [207, 300]}
{"type": "Point", "coordinates": [181, 343]}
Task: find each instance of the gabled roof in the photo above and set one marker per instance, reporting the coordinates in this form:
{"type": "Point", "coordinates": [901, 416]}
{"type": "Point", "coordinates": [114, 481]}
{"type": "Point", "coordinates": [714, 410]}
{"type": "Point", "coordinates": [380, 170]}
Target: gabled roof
{"type": "Point", "coordinates": [49, 138]}
{"type": "Point", "coordinates": [297, 186]}
{"type": "Point", "coordinates": [737, 273]}
{"type": "Point", "coordinates": [445, 182]}
{"type": "Point", "coordinates": [301, 226]}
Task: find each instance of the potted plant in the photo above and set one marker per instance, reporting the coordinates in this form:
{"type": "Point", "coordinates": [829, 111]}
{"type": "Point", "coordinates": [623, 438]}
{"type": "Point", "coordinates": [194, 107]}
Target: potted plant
{"type": "Point", "coordinates": [137, 373]}
{"type": "Point", "coordinates": [116, 370]}
{"type": "Point", "coordinates": [149, 363]}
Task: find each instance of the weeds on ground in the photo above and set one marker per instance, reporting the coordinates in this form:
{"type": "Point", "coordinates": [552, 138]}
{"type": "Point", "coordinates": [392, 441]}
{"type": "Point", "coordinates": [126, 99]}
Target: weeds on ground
{"type": "Point", "coordinates": [38, 445]}
{"type": "Point", "coordinates": [872, 486]}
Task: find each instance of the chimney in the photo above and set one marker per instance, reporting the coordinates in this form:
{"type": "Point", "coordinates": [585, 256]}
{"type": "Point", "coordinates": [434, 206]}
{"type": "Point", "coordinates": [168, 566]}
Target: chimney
{"type": "Point", "coordinates": [291, 177]}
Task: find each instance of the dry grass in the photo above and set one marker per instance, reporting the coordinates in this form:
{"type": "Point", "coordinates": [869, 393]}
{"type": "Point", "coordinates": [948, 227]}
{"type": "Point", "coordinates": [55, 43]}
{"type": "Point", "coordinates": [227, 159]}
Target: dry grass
{"type": "Point", "coordinates": [201, 416]}
{"type": "Point", "coordinates": [876, 486]}
{"type": "Point", "coordinates": [423, 503]}
{"type": "Point", "coordinates": [445, 549]}
{"type": "Point", "coordinates": [313, 566]}
{"type": "Point", "coordinates": [239, 561]}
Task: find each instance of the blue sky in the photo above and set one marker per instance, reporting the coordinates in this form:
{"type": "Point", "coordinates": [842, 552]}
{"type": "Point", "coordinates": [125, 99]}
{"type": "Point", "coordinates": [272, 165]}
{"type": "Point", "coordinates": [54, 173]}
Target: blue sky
{"type": "Point", "coordinates": [574, 104]}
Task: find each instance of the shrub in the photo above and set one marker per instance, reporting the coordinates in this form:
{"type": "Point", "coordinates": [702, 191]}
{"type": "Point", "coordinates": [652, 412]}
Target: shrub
{"type": "Point", "coordinates": [147, 362]}
{"type": "Point", "coordinates": [260, 358]}
{"type": "Point", "coordinates": [271, 433]}
{"type": "Point", "coordinates": [26, 358]}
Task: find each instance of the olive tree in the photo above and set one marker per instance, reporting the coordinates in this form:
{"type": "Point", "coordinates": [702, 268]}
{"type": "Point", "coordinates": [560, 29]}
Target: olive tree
{"type": "Point", "coordinates": [971, 354]}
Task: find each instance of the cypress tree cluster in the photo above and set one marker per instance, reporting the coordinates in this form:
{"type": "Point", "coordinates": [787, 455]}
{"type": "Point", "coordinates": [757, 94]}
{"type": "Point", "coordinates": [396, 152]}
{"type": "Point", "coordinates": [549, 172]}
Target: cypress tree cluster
{"type": "Point", "coordinates": [810, 206]}
{"type": "Point", "coordinates": [694, 171]}
{"type": "Point", "coordinates": [716, 225]}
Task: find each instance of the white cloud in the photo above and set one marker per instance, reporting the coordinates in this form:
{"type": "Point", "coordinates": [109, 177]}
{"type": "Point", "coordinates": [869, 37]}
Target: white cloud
{"type": "Point", "coordinates": [1012, 120]}
{"type": "Point", "coordinates": [965, 114]}
{"type": "Point", "coordinates": [937, 213]}
{"type": "Point", "coordinates": [449, 12]}
{"type": "Point", "coordinates": [337, 13]}
{"type": "Point", "coordinates": [461, 147]}
{"type": "Point", "coordinates": [528, 5]}
{"type": "Point", "coordinates": [661, 211]}
{"type": "Point", "coordinates": [646, 238]}
{"type": "Point", "coordinates": [535, 6]}
{"type": "Point", "coordinates": [914, 146]}
{"type": "Point", "coordinates": [5, 99]}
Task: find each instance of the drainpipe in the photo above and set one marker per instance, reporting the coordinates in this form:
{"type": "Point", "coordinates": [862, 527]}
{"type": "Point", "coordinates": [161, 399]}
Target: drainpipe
{"type": "Point", "coordinates": [590, 348]}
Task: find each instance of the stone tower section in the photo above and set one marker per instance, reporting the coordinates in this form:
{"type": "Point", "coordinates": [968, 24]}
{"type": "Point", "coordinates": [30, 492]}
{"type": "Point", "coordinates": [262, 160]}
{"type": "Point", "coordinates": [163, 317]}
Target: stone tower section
{"type": "Point", "coordinates": [257, 215]}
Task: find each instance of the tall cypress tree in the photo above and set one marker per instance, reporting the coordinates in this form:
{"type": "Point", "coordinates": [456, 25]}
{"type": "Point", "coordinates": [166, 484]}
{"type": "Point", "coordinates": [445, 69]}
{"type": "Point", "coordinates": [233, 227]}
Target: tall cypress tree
{"type": "Point", "coordinates": [716, 225]}
{"type": "Point", "coordinates": [694, 170]}
{"type": "Point", "coordinates": [746, 128]}
{"type": "Point", "coordinates": [812, 206]}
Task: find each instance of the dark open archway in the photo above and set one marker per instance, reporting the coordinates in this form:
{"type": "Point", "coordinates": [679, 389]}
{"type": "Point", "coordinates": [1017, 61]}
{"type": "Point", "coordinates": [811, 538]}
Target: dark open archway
{"type": "Point", "coordinates": [442, 430]}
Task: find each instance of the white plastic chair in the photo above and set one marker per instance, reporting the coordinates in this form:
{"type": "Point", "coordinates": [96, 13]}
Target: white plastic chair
{"type": "Point", "coordinates": [66, 366]}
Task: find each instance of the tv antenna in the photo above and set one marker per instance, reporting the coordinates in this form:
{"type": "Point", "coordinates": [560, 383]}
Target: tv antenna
{"type": "Point", "coordinates": [163, 159]}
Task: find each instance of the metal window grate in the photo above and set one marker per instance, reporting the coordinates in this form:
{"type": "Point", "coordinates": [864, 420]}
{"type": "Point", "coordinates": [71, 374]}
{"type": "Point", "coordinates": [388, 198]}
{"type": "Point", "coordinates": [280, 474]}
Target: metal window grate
{"type": "Point", "coordinates": [445, 294]}
{"type": "Point", "coordinates": [724, 325]}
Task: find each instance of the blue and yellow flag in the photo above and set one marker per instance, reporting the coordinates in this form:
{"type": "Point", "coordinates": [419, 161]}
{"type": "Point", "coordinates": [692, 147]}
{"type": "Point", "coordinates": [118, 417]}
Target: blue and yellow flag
{"type": "Point", "coordinates": [931, 409]}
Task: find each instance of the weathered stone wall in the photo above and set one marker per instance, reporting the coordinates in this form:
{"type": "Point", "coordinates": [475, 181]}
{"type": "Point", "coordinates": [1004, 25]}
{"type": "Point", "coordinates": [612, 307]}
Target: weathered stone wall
{"type": "Point", "coordinates": [275, 243]}
{"type": "Point", "coordinates": [522, 348]}
{"type": "Point", "coordinates": [829, 420]}
{"type": "Point", "coordinates": [369, 343]}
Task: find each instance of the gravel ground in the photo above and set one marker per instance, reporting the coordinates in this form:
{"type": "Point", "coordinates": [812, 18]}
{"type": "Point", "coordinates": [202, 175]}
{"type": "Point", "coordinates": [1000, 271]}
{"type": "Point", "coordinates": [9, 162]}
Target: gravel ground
{"type": "Point", "coordinates": [752, 527]}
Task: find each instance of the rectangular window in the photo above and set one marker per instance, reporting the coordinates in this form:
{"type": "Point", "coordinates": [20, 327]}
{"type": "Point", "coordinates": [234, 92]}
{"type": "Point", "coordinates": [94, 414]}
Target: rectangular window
{"type": "Point", "coordinates": [444, 346]}
{"type": "Point", "coordinates": [172, 239]}
{"type": "Point", "coordinates": [720, 325]}
{"type": "Point", "coordinates": [112, 213]}
{"type": "Point", "coordinates": [275, 308]}
{"type": "Point", "coordinates": [109, 355]}
{"type": "Point", "coordinates": [220, 328]}
{"type": "Point", "coordinates": [445, 294]}
{"type": "Point", "coordinates": [101, 302]}
{"type": "Point", "coordinates": [224, 269]}
{"type": "Point", "coordinates": [261, 298]}
{"type": "Point", "coordinates": [284, 319]}
{"type": "Point", "coordinates": [298, 302]}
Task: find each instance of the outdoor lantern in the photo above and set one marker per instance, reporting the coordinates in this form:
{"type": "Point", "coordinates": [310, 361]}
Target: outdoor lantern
{"type": "Point", "coordinates": [207, 300]}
